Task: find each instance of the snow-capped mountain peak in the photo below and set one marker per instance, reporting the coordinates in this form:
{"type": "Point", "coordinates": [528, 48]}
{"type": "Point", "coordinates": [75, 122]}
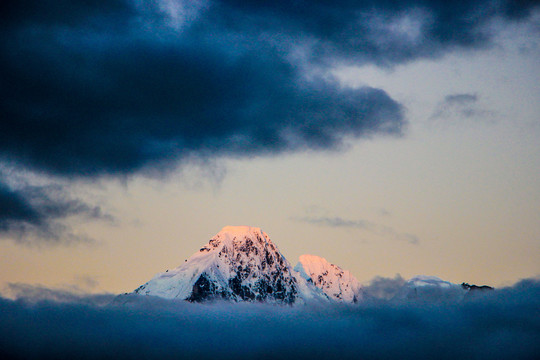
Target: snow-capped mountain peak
{"type": "Point", "coordinates": [240, 263]}
{"type": "Point", "coordinates": [240, 239]}
{"type": "Point", "coordinates": [338, 284]}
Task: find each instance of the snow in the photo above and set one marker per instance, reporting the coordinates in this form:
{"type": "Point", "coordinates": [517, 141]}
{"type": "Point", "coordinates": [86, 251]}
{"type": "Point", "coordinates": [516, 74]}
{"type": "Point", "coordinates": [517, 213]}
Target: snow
{"type": "Point", "coordinates": [239, 263]}
{"type": "Point", "coordinates": [426, 280]}
{"type": "Point", "coordinates": [240, 230]}
{"type": "Point", "coordinates": [424, 287]}
{"type": "Point", "coordinates": [338, 284]}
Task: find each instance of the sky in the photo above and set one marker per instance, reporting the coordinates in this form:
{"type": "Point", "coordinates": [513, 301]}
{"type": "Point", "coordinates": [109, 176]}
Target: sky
{"type": "Point", "coordinates": [387, 137]}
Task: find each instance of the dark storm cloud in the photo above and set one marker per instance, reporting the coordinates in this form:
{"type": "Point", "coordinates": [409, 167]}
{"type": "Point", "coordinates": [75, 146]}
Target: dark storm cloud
{"type": "Point", "coordinates": [378, 229]}
{"type": "Point", "coordinates": [94, 88]}
{"type": "Point", "coordinates": [111, 94]}
{"type": "Point", "coordinates": [385, 32]}
{"type": "Point", "coordinates": [504, 324]}
{"type": "Point", "coordinates": [33, 213]}
{"type": "Point", "coordinates": [109, 87]}
{"type": "Point", "coordinates": [13, 206]}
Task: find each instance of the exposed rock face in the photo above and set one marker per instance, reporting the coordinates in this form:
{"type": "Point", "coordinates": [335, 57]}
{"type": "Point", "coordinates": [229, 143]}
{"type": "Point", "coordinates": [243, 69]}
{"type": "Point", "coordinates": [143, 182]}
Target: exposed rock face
{"type": "Point", "coordinates": [474, 288]}
{"type": "Point", "coordinates": [472, 291]}
{"type": "Point", "coordinates": [240, 263]}
{"type": "Point", "coordinates": [338, 284]}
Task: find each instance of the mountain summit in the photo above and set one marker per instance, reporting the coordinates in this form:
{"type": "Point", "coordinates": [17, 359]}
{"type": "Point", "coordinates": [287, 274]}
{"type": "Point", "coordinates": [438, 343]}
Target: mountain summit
{"type": "Point", "coordinates": [338, 284]}
{"type": "Point", "coordinates": [240, 263]}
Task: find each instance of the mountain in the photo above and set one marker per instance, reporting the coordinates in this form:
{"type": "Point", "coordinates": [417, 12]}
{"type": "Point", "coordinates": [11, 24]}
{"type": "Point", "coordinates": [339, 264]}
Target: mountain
{"type": "Point", "coordinates": [474, 291]}
{"type": "Point", "coordinates": [240, 263]}
{"type": "Point", "coordinates": [475, 288]}
{"type": "Point", "coordinates": [430, 288]}
{"type": "Point", "coordinates": [338, 284]}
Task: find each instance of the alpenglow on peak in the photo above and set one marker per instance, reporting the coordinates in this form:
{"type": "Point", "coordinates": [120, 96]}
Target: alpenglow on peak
{"type": "Point", "coordinates": [338, 284]}
{"type": "Point", "coordinates": [240, 263]}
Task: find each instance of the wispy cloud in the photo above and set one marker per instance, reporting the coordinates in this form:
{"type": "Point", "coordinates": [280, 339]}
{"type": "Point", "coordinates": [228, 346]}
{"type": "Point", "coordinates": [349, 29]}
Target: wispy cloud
{"type": "Point", "coordinates": [460, 99]}
{"type": "Point", "coordinates": [36, 214]}
{"type": "Point", "coordinates": [384, 288]}
{"type": "Point", "coordinates": [68, 293]}
{"type": "Point", "coordinates": [338, 222]}
{"type": "Point", "coordinates": [461, 106]}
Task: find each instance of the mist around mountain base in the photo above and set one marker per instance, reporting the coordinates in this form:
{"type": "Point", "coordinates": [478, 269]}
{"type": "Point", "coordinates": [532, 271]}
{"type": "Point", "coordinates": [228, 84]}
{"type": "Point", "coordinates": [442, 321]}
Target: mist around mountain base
{"type": "Point", "coordinates": [44, 323]}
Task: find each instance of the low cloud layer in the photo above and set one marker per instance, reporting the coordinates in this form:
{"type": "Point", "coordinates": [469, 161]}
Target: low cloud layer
{"type": "Point", "coordinates": [503, 324]}
{"type": "Point", "coordinates": [382, 288]}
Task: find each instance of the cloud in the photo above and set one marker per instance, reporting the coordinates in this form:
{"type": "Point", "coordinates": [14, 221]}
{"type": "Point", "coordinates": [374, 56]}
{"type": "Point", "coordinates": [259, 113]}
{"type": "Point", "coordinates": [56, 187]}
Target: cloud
{"type": "Point", "coordinates": [384, 288]}
{"type": "Point", "coordinates": [34, 214]}
{"type": "Point", "coordinates": [503, 324]}
{"type": "Point", "coordinates": [67, 294]}
{"type": "Point", "coordinates": [85, 282]}
{"type": "Point", "coordinates": [380, 32]}
{"type": "Point", "coordinates": [463, 106]}
{"type": "Point", "coordinates": [461, 99]}
{"type": "Point", "coordinates": [115, 88]}
{"type": "Point", "coordinates": [112, 87]}
{"type": "Point", "coordinates": [338, 222]}
{"type": "Point", "coordinates": [121, 90]}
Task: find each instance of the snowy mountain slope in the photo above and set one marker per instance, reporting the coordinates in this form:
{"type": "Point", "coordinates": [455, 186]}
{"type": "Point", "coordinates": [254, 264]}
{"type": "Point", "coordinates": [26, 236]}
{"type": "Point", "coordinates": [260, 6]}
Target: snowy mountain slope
{"type": "Point", "coordinates": [338, 284]}
{"type": "Point", "coordinates": [240, 263]}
